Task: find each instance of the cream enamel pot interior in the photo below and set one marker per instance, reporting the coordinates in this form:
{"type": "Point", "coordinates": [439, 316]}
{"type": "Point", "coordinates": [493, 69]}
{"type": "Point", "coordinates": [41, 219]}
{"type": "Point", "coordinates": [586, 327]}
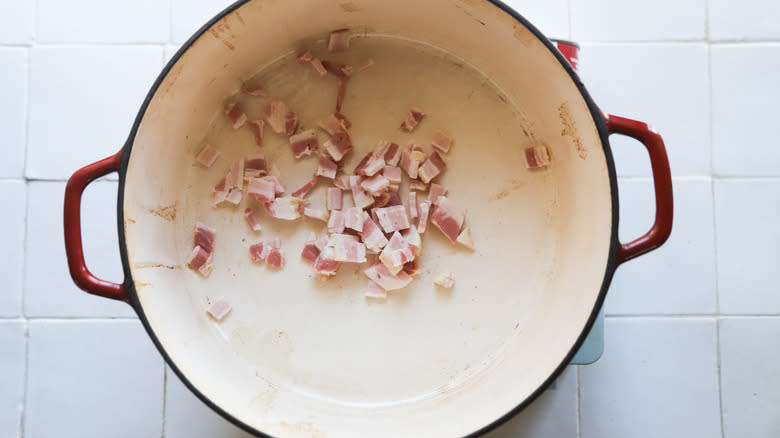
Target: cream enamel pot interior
{"type": "Point", "coordinates": [299, 357]}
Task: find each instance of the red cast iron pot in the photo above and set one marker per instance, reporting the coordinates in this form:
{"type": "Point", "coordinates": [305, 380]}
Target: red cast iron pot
{"type": "Point", "coordinates": [298, 357]}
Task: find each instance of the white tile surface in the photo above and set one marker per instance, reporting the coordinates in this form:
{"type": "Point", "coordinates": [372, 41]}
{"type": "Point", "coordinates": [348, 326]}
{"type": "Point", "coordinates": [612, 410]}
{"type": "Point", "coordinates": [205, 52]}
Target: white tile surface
{"type": "Point", "coordinates": [187, 16]}
{"type": "Point", "coordinates": [552, 415]}
{"type": "Point", "coordinates": [746, 220]}
{"type": "Point", "coordinates": [85, 111]}
{"type": "Point", "coordinates": [679, 277]}
{"type": "Point", "coordinates": [750, 380]}
{"type": "Point", "coordinates": [657, 378]}
{"type": "Point", "coordinates": [12, 363]}
{"type": "Point", "coordinates": [551, 17]}
{"type": "Point", "coordinates": [170, 50]}
{"type": "Point", "coordinates": [665, 85]}
{"type": "Point", "coordinates": [93, 379]}
{"type": "Point", "coordinates": [187, 417]}
{"type": "Point", "coordinates": [635, 20]}
{"type": "Point", "coordinates": [13, 106]}
{"type": "Point", "coordinates": [12, 197]}
{"type": "Point", "coordinates": [744, 20]}
{"type": "Point", "coordinates": [16, 22]}
{"type": "Point", "coordinates": [99, 21]}
{"type": "Point", "coordinates": [744, 96]}
{"type": "Point", "coordinates": [49, 290]}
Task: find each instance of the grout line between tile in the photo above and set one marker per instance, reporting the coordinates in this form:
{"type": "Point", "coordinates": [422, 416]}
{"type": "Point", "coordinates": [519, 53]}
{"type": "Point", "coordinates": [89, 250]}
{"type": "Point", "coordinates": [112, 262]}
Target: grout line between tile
{"type": "Point", "coordinates": [682, 41]}
{"type": "Point", "coordinates": [26, 378]}
{"type": "Point", "coordinates": [165, 399]}
{"type": "Point", "coordinates": [690, 316]}
{"type": "Point", "coordinates": [577, 397]}
{"type": "Point", "coordinates": [720, 378]}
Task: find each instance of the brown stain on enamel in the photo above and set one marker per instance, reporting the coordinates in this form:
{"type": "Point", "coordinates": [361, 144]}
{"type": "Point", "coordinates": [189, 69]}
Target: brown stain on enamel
{"type": "Point", "coordinates": [523, 35]}
{"type": "Point", "coordinates": [167, 212]}
{"type": "Point", "coordinates": [570, 129]}
{"type": "Point", "coordinates": [349, 7]}
{"type": "Point", "coordinates": [144, 265]}
{"type": "Point", "coordinates": [514, 185]}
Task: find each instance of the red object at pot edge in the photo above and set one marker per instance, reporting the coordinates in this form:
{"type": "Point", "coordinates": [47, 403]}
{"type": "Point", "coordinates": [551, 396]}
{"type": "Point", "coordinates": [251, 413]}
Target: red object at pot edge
{"type": "Point", "coordinates": [570, 51]}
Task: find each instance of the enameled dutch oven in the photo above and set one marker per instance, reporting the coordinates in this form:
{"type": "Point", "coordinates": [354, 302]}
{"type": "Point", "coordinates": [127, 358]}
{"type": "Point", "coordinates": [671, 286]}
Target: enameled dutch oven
{"type": "Point", "coordinates": [299, 357]}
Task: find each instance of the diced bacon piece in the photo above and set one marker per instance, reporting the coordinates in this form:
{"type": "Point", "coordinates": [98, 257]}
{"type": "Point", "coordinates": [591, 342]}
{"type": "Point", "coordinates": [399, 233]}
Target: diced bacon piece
{"type": "Point", "coordinates": [432, 167]}
{"type": "Point", "coordinates": [260, 251]}
{"type": "Point", "coordinates": [336, 222]}
{"type": "Point", "coordinates": [394, 200]}
{"type": "Point", "coordinates": [257, 127]}
{"type": "Point", "coordinates": [353, 219]}
{"type": "Point", "coordinates": [417, 153]}
{"type": "Point", "coordinates": [409, 165]}
{"type": "Point", "coordinates": [414, 239]}
{"type": "Point", "coordinates": [316, 213]}
{"type": "Point", "coordinates": [392, 218]}
{"type": "Point", "coordinates": [310, 250]}
{"type": "Point", "coordinates": [338, 145]}
{"type": "Point", "coordinates": [436, 191]}
{"type": "Point", "coordinates": [278, 187]}
{"type": "Point", "coordinates": [465, 238]}
{"type": "Point", "coordinates": [334, 198]}
{"type": "Point", "coordinates": [200, 260]}
{"type": "Point", "coordinates": [318, 67]}
{"type": "Point", "coordinates": [287, 208]}
{"type": "Point", "coordinates": [393, 174]}
{"type": "Point", "coordinates": [275, 258]}
{"type": "Point", "coordinates": [375, 185]}
{"type": "Point", "coordinates": [207, 156]}
{"type": "Point", "coordinates": [445, 280]}
{"type": "Point", "coordinates": [251, 219]}
{"type": "Point", "coordinates": [230, 189]}
{"type": "Point", "coordinates": [359, 169]}
{"type": "Point", "coordinates": [254, 91]}
{"type": "Point", "coordinates": [412, 205]}
{"type": "Point", "coordinates": [412, 119]}
{"type": "Point", "coordinates": [412, 268]}
{"type": "Point", "coordinates": [321, 242]}
{"type": "Point", "coordinates": [330, 124]}
{"type": "Point", "coordinates": [304, 143]}
{"type": "Point", "coordinates": [303, 191]}
{"type": "Point", "coordinates": [442, 141]}
{"type": "Point", "coordinates": [448, 218]}
{"type": "Point", "coordinates": [396, 253]}
{"type": "Point", "coordinates": [338, 40]}
{"type": "Point", "coordinates": [382, 200]}
{"type": "Point", "coordinates": [326, 168]}
{"type": "Point", "coordinates": [257, 252]}
{"type": "Point", "coordinates": [537, 157]}
{"type": "Point", "coordinates": [366, 63]}
{"type": "Point", "coordinates": [343, 121]}
{"type": "Point", "coordinates": [361, 198]}
{"type": "Point", "coordinates": [394, 187]}
{"type": "Point", "coordinates": [372, 236]}
{"type": "Point", "coordinates": [375, 165]}
{"type": "Point", "coordinates": [305, 57]}
{"type": "Point", "coordinates": [219, 309]}
{"type": "Point", "coordinates": [235, 113]}
{"type": "Point", "coordinates": [392, 154]}
{"type": "Point", "coordinates": [374, 291]}
{"type": "Point", "coordinates": [281, 118]}
{"type": "Point", "coordinates": [342, 91]}
{"type": "Point", "coordinates": [342, 71]}
{"type": "Point", "coordinates": [325, 265]}
{"type": "Point", "coordinates": [342, 182]}
{"type": "Point", "coordinates": [261, 189]}
{"type": "Point", "coordinates": [385, 279]}
{"type": "Point", "coordinates": [425, 209]}
{"type": "Point", "coordinates": [204, 237]}
{"type": "Point", "coordinates": [418, 185]}
{"type": "Point", "coordinates": [347, 248]}
{"type": "Point", "coordinates": [255, 166]}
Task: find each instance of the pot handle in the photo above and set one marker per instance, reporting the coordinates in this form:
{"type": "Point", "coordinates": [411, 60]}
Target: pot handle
{"type": "Point", "coordinates": [74, 250]}
{"type": "Point", "coordinates": [662, 181]}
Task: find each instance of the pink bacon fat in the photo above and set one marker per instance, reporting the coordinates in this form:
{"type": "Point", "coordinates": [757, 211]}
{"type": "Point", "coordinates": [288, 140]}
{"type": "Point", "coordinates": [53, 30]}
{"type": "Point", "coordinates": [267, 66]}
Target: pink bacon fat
{"type": "Point", "coordinates": [448, 218]}
{"type": "Point", "coordinates": [207, 156]}
{"type": "Point", "coordinates": [235, 114]}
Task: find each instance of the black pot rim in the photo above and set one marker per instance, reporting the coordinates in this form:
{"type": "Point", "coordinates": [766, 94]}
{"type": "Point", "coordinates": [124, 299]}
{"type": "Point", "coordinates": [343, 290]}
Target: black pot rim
{"type": "Point", "coordinates": [610, 268]}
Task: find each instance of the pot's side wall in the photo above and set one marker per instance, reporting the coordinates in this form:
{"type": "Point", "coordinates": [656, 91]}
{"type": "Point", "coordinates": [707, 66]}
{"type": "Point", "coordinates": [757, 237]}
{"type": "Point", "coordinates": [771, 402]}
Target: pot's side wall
{"type": "Point", "coordinates": [580, 213]}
